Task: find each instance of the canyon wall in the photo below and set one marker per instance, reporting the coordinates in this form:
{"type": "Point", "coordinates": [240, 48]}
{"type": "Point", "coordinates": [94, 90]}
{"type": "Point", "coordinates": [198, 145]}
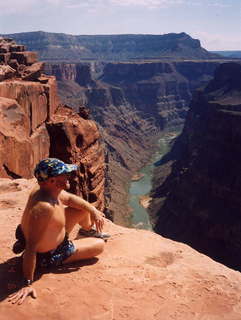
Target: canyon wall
{"type": "Point", "coordinates": [132, 103]}
{"type": "Point", "coordinates": [75, 48]}
{"type": "Point", "coordinates": [34, 125]}
{"type": "Point", "coordinates": [196, 198]}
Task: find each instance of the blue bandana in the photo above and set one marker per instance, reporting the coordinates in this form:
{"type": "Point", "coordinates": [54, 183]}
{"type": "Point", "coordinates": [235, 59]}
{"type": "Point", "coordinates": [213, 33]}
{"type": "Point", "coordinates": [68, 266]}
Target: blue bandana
{"type": "Point", "coordinates": [52, 167]}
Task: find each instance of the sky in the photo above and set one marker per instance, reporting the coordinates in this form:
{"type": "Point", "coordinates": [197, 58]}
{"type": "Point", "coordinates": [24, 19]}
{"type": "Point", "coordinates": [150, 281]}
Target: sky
{"type": "Point", "coordinates": [216, 23]}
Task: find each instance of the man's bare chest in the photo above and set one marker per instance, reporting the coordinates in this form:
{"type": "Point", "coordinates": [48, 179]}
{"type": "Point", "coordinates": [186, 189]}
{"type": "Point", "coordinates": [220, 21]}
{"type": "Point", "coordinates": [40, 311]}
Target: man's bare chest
{"type": "Point", "coordinates": [58, 218]}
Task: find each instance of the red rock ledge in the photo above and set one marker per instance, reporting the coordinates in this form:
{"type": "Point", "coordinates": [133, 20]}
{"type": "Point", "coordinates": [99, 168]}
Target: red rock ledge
{"type": "Point", "coordinates": [140, 276]}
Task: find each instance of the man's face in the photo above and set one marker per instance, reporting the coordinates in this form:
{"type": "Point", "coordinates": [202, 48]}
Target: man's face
{"type": "Point", "coordinates": [62, 181]}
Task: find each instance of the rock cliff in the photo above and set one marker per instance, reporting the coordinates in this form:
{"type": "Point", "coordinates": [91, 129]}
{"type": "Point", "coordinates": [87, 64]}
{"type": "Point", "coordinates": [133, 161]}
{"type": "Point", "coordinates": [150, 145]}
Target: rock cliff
{"type": "Point", "coordinates": [133, 103]}
{"type": "Point", "coordinates": [65, 47]}
{"type": "Point", "coordinates": [199, 201]}
{"type": "Point", "coordinates": [140, 276]}
{"type": "Point", "coordinates": [34, 125]}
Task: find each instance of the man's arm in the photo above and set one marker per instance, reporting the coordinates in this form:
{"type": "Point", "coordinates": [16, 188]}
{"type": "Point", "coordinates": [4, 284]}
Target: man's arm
{"type": "Point", "coordinates": [76, 202]}
{"type": "Point", "coordinates": [38, 222]}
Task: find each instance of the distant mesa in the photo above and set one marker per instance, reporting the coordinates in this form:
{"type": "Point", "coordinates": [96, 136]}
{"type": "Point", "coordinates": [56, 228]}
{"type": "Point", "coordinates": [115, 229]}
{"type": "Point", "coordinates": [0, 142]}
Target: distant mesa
{"type": "Point", "coordinates": [234, 54]}
{"type": "Point", "coordinates": [64, 47]}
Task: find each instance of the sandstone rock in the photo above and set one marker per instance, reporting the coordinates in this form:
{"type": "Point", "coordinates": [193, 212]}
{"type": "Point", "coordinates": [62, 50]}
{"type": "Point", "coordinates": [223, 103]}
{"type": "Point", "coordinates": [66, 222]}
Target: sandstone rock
{"type": "Point", "coordinates": [14, 64]}
{"type": "Point", "coordinates": [33, 72]}
{"type": "Point", "coordinates": [20, 153]}
{"type": "Point", "coordinates": [26, 57]}
{"type": "Point", "coordinates": [17, 48]}
{"type": "Point", "coordinates": [7, 40]}
{"type": "Point", "coordinates": [33, 97]}
{"type": "Point", "coordinates": [84, 113]}
{"type": "Point", "coordinates": [6, 72]}
{"type": "Point", "coordinates": [4, 48]}
{"type": "Point", "coordinates": [26, 104]}
{"type": "Point", "coordinates": [76, 140]}
{"type": "Point", "coordinates": [43, 79]}
{"type": "Point", "coordinates": [140, 276]}
{"type": "Point", "coordinates": [5, 57]}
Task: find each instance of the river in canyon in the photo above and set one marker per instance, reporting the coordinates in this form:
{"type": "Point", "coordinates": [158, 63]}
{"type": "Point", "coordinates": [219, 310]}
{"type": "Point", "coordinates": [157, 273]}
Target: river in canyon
{"type": "Point", "coordinates": [141, 185]}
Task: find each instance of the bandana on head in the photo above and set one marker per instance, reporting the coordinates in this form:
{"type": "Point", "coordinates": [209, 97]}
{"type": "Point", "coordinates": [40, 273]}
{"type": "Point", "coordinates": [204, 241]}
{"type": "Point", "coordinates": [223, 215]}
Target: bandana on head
{"type": "Point", "coordinates": [52, 167]}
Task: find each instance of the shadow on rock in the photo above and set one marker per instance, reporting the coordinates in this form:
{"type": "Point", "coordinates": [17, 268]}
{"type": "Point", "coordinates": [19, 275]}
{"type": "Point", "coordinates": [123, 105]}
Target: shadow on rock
{"type": "Point", "coordinates": [11, 275]}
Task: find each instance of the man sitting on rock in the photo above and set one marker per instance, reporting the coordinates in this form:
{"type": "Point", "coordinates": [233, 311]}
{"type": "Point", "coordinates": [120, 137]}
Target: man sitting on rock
{"type": "Point", "coordinates": [49, 216]}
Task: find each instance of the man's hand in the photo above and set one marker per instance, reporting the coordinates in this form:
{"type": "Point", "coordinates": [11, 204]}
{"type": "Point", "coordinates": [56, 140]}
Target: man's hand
{"type": "Point", "coordinates": [98, 218]}
{"type": "Point", "coordinates": [19, 296]}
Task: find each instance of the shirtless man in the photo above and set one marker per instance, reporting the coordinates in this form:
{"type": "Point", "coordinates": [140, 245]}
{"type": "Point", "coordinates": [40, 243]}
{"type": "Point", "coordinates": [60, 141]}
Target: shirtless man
{"type": "Point", "coordinates": [48, 218]}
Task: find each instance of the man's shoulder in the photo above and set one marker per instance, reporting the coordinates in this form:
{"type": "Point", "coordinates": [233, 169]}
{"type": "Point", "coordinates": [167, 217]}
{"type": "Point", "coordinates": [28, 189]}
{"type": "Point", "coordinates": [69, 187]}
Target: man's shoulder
{"type": "Point", "coordinates": [64, 197]}
{"type": "Point", "coordinates": [41, 209]}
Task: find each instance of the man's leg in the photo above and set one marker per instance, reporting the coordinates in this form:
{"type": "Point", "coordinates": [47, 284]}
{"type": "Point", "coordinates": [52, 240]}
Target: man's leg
{"type": "Point", "coordinates": [82, 217]}
{"type": "Point", "coordinates": [77, 216]}
{"type": "Point", "coordinates": [86, 248]}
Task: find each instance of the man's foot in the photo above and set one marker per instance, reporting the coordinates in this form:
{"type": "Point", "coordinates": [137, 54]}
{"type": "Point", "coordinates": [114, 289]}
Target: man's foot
{"type": "Point", "coordinates": [93, 233]}
{"type": "Point", "coordinates": [18, 247]}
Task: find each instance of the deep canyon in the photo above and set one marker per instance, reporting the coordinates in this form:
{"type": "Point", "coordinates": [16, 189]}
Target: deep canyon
{"type": "Point", "coordinates": [134, 102]}
{"type": "Point", "coordinates": [196, 194]}
{"type": "Point", "coordinates": [108, 120]}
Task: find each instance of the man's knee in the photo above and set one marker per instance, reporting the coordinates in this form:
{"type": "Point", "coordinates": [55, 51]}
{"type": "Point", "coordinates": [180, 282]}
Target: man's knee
{"type": "Point", "coordinates": [99, 246]}
{"type": "Point", "coordinates": [96, 247]}
{"type": "Point", "coordinates": [73, 212]}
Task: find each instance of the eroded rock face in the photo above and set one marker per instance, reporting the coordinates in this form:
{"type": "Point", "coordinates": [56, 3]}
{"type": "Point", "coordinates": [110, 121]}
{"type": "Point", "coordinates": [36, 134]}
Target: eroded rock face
{"type": "Point", "coordinates": [199, 202]}
{"type": "Point", "coordinates": [121, 47]}
{"type": "Point", "coordinates": [132, 103]}
{"type": "Point", "coordinates": [77, 140]}
{"type": "Point", "coordinates": [140, 275]}
{"type": "Point", "coordinates": [25, 107]}
{"type": "Point", "coordinates": [28, 103]}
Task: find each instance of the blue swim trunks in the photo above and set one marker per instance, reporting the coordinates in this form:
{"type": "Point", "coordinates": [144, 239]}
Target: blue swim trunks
{"type": "Point", "coordinates": [56, 257]}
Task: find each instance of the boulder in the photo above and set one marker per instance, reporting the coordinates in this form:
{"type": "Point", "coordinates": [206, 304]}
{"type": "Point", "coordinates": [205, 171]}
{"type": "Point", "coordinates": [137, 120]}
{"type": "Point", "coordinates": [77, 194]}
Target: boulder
{"type": "Point", "coordinates": [74, 139]}
{"type": "Point", "coordinates": [33, 72]}
{"type": "Point", "coordinates": [26, 57]}
{"type": "Point", "coordinates": [6, 72]}
{"type": "Point", "coordinates": [5, 57]}
{"type": "Point", "coordinates": [13, 63]}
{"type": "Point", "coordinates": [17, 48]}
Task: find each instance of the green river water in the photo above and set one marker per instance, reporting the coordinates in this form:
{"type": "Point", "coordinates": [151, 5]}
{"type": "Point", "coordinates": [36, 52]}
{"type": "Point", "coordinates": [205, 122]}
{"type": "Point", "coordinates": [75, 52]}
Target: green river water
{"type": "Point", "coordinates": [142, 187]}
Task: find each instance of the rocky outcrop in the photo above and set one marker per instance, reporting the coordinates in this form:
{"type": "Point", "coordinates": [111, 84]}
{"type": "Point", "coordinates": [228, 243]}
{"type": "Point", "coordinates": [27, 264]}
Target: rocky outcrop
{"type": "Point", "coordinates": [75, 139]}
{"type": "Point", "coordinates": [132, 103]}
{"type": "Point", "coordinates": [34, 125]}
{"type": "Point", "coordinates": [65, 47]}
{"type": "Point", "coordinates": [199, 201]}
{"type": "Point", "coordinates": [140, 275]}
{"type": "Point", "coordinates": [25, 107]}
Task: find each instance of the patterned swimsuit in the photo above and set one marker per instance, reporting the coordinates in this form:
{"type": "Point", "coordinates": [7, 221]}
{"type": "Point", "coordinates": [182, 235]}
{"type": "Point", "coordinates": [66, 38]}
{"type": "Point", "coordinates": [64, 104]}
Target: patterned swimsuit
{"type": "Point", "coordinates": [51, 258]}
{"type": "Point", "coordinates": [57, 256]}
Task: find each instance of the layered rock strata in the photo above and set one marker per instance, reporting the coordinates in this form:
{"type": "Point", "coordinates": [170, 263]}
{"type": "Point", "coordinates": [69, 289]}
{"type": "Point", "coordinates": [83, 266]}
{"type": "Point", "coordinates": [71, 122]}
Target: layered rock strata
{"type": "Point", "coordinates": [26, 106]}
{"type": "Point", "coordinates": [133, 103]}
{"type": "Point", "coordinates": [65, 47]}
{"type": "Point", "coordinates": [199, 201]}
{"type": "Point", "coordinates": [140, 275]}
{"type": "Point", "coordinates": [34, 125]}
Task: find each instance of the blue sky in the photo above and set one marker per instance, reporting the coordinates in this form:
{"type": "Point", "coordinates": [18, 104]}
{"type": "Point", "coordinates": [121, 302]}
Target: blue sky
{"type": "Point", "coordinates": [217, 23]}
